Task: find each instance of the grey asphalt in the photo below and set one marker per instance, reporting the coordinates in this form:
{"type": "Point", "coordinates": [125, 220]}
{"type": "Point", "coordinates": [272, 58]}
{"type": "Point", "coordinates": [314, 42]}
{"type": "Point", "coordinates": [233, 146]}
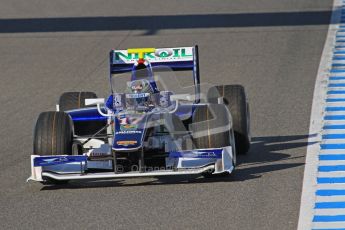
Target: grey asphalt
{"type": "Point", "coordinates": [272, 47]}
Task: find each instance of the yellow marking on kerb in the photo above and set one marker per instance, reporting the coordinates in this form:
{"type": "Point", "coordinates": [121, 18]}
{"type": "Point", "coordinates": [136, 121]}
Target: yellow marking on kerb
{"type": "Point", "coordinates": [141, 51]}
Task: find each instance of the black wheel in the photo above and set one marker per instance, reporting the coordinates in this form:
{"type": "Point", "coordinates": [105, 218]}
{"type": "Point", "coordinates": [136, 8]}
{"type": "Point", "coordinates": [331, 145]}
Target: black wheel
{"type": "Point", "coordinates": [234, 98]}
{"type": "Point", "coordinates": [53, 134]}
{"type": "Point", "coordinates": [74, 100]}
{"type": "Point", "coordinates": [211, 129]}
{"type": "Point", "coordinates": [211, 126]}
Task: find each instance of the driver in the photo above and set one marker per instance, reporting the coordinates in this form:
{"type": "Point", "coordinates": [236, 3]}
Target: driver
{"type": "Point", "coordinates": [139, 86]}
{"type": "Point", "coordinates": [142, 87]}
{"type": "Point", "coordinates": [139, 93]}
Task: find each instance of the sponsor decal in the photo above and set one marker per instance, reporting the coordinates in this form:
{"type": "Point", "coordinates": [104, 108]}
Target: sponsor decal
{"type": "Point", "coordinates": [99, 154]}
{"type": "Point", "coordinates": [119, 101]}
{"type": "Point", "coordinates": [128, 127]}
{"type": "Point", "coordinates": [123, 120]}
{"type": "Point", "coordinates": [129, 132]}
{"type": "Point", "coordinates": [141, 51]}
{"type": "Point", "coordinates": [126, 143]}
{"type": "Point", "coordinates": [47, 161]}
{"type": "Point", "coordinates": [137, 95]}
{"type": "Point", "coordinates": [197, 154]}
{"type": "Point", "coordinates": [127, 119]}
{"type": "Point", "coordinates": [56, 160]}
{"type": "Point", "coordinates": [206, 154]}
{"type": "Point", "coordinates": [171, 54]}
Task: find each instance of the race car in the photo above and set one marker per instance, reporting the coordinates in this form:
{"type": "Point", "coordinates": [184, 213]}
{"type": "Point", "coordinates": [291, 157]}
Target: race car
{"type": "Point", "coordinates": [158, 120]}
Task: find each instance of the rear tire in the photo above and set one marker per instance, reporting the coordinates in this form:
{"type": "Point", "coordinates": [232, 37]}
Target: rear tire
{"type": "Point", "coordinates": [74, 100]}
{"type": "Point", "coordinates": [234, 98]}
{"type": "Point", "coordinates": [53, 134]}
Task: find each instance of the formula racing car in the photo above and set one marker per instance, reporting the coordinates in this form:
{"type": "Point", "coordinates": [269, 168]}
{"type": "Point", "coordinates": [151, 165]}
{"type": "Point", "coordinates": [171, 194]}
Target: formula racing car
{"type": "Point", "coordinates": [157, 121]}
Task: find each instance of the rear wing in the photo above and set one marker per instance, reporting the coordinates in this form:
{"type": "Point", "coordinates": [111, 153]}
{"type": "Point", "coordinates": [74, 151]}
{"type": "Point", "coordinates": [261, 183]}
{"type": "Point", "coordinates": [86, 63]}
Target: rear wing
{"type": "Point", "coordinates": [175, 58]}
{"type": "Point", "coordinates": [178, 58]}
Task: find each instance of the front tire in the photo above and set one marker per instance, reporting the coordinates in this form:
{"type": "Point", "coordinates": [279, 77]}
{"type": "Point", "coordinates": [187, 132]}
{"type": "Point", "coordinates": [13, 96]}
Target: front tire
{"type": "Point", "coordinates": [53, 134]}
{"type": "Point", "coordinates": [212, 129]}
{"type": "Point", "coordinates": [235, 99]}
{"type": "Point", "coordinates": [208, 126]}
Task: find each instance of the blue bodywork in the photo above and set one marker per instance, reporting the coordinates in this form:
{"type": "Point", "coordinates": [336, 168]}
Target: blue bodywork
{"type": "Point", "coordinates": [89, 114]}
{"type": "Point", "coordinates": [205, 153]}
{"type": "Point", "coordinates": [57, 160]}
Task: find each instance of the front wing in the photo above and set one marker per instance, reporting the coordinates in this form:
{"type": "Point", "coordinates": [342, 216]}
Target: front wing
{"type": "Point", "coordinates": [191, 162]}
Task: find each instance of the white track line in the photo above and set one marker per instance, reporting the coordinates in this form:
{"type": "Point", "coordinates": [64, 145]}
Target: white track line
{"type": "Point", "coordinates": [330, 212]}
{"type": "Point", "coordinates": [332, 186]}
{"type": "Point", "coordinates": [338, 162]}
{"type": "Point", "coordinates": [331, 174]}
{"type": "Point", "coordinates": [327, 225]}
{"type": "Point", "coordinates": [330, 199]}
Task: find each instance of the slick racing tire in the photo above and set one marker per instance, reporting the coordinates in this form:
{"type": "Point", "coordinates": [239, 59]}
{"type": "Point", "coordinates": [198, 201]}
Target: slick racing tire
{"type": "Point", "coordinates": [234, 98]}
{"type": "Point", "coordinates": [74, 100]}
{"type": "Point", "coordinates": [53, 134]}
{"type": "Point", "coordinates": [209, 126]}
{"type": "Point", "coordinates": [211, 129]}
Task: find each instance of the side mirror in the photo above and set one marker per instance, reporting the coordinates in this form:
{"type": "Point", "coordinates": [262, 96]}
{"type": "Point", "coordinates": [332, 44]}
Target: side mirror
{"type": "Point", "coordinates": [182, 97]}
{"type": "Point", "coordinates": [94, 101]}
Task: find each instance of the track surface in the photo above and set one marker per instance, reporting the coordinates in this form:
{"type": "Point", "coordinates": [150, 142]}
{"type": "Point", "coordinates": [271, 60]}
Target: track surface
{"type": "Point", "coordinates": [272, 47]}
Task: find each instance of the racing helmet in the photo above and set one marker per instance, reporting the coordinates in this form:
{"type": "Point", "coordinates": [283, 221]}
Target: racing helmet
{"type": "Point", "coordinates": [139, 93]}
